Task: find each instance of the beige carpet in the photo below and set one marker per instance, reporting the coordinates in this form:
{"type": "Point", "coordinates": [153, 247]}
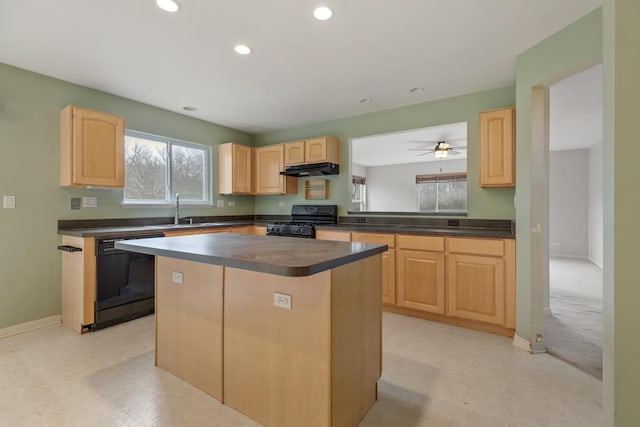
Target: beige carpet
{"type": "Point", "coordinates": [573, 329]}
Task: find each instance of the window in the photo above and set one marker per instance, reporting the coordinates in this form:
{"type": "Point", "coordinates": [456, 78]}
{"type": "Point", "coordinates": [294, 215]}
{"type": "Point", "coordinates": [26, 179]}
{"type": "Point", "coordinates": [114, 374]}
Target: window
{"type": "Point", "coordinates": [358, 193]}
{"type": "Point", "coordinates": [442, 193]}
{"type": "Point", "coordinates": [156, 168]}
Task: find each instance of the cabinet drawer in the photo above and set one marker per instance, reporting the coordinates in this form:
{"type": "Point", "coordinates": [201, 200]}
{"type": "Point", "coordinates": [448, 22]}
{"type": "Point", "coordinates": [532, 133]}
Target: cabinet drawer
{"type": "Point", "coordinates": [383, 239]}
{"type": "Point", "coordinates": [343, 236]}
{"type": "Point", "coordinates": [421, 243]}
{"type": "Point", "coordinates": [492, 247]}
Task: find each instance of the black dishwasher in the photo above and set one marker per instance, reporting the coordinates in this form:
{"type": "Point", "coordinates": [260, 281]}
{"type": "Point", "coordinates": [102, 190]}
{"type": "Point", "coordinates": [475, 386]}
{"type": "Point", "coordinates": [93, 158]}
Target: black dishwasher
{"type": "Point", "coordinates": [125, 282]}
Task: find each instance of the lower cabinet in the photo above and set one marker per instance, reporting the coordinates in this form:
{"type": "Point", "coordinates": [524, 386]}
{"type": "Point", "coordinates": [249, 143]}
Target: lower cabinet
{"type": "Point", "coordinates": [463, 281]}
{"type": "Point", "coordinates": [420, 268]}
{"type": "Point", "coordinates": [388, 261]}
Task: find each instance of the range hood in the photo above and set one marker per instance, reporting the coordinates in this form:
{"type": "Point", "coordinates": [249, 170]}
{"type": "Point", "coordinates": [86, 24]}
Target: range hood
{"type": "Point", "coordinates": [312, 169]}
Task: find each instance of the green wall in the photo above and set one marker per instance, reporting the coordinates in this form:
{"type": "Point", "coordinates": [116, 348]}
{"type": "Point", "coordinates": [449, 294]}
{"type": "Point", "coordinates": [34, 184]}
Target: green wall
{"type": "Point", "coordinates": [621, 204]}
{"type": "Point", "coordinates": [29, 168]}
{"type": "Point", "coordinates": [496, 203]}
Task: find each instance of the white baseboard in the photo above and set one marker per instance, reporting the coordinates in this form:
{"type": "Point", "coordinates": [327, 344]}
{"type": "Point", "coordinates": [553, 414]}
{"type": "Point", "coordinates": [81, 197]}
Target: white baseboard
{"type": "Point", "coordinates": [30, 326]}
{"type": "Point", "coordinates": [522, 343]}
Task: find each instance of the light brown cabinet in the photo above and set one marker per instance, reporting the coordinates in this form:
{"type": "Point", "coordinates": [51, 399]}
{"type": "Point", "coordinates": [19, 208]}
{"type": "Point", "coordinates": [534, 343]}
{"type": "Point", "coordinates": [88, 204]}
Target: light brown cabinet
{"type": "Point", "coordinates": [78, 282]}
{"type": "Point", "coordinates": [388, 261]}
{"type": "Point", "coordinates": [91, 148]}
{"type": "Point", "coordinates": [497, 148]}
{"type": "Point", "coordinates": [234, 169]}
{"type": "Point", "coordinates": [269, 163]}
{"type": "Point", "coordinates": [481, 280]}
{"type": "Point", "coordinates": [421, 273]}
{"type": "Point", "coordinates": [294, 152]}
{"type": "Point", "coordinates": [312, 150]}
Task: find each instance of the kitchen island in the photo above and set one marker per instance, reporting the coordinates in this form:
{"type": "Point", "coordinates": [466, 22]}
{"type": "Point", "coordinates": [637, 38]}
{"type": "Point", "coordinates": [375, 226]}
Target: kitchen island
{"type": "Point", "coordinates": [285, 330]}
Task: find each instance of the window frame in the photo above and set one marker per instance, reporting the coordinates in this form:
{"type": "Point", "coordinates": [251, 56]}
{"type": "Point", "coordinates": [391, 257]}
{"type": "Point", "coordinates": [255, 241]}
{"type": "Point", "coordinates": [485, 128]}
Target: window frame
{"type": "Point", "coordinates": [170, 200]}
{"type": "Point", "coordinates": [437, 179]}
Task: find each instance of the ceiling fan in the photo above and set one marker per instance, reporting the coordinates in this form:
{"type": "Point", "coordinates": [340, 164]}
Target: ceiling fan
{"type": "Point", "coordinates": [441, 149]}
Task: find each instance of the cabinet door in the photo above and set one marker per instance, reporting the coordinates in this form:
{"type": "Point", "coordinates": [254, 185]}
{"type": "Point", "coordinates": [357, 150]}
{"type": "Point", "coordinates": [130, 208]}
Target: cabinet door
{"type": "Point", "coordinates": [497, 148]}
{"type": "Point", "coordinates": [322, 149]}
{"type": "Point", "coordinates": [421, 280]}
{"type": "Point", "coordinates": [97, 147]}
{"type": "Point", "coordinates": [269, 163]}
{"type": "Point", "coordinates": [241, 169]}
{"type": "Point", "coordinates": [294, 153]}
{"type": "Point", "coordinates": [389, 276]}
{"type": "Point", "coordinates": [315, 150]}
{"type": "Point", "coordinates": [388, 261]}
{"type": "Point", "coordinates": [476, 288]}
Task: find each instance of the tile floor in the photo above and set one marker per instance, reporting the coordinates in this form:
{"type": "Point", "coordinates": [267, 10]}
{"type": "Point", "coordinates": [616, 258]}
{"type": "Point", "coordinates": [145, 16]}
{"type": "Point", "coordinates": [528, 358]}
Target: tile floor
{"type": "Point", "coordinates": [433, 375]}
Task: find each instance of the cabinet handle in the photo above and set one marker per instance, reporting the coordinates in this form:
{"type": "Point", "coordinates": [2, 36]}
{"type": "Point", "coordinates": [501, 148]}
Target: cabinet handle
{"type": "Point", "coordinates": [69, 248]}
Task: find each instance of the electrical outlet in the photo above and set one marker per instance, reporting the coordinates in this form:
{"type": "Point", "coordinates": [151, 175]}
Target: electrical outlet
{"type": "Point", "coordinates": [231, 203]}
{"type": "Point", "coordinates": [8, 202]}
{"type": "Point", "coordinates": [176, 277]}
{"type": "Point", "coordinates": [89, 202]}
{"type": "Point", "coordinates": [281, 204]}
{"type": "Point", "coordinates": [360, 220]}
{"type": "Point", "coordinates": [75, 203]}
{"type": "Point", "coordinates": [219, 203]}
{"type": "Point", "coordinates": [282, 300]}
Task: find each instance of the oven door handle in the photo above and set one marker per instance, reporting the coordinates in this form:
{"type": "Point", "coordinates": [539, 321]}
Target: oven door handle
{"type": "Point", "coordinates": [69, 248]}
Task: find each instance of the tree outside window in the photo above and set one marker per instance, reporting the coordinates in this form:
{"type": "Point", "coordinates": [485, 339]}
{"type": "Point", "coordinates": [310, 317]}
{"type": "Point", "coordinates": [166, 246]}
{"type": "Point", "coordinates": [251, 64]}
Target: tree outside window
{"type": "Point", "coordinates": [157, 167]}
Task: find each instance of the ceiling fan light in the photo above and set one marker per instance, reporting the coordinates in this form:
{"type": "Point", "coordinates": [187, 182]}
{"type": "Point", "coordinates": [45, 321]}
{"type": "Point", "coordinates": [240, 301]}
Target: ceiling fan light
{"type": "Point", "coordinates": [440, 154]}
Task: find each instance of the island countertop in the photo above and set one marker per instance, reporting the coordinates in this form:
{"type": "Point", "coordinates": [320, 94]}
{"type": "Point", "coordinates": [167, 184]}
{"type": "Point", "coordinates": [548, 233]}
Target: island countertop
{"type": "Point", "coordinates": [284, 256]}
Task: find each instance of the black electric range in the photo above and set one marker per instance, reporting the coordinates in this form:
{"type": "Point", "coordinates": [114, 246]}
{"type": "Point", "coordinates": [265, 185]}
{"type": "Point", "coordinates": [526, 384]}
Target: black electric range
{"type": "Point", "coordinates": [304, 218]}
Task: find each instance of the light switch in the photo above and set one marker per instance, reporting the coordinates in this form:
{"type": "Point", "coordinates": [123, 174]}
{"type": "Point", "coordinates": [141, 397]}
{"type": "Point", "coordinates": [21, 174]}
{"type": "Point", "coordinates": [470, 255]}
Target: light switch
{"type": "Point", "coordinates": [281, 204]}
{"type": "Point", "coordinates": [8, 202]}
{"type": "Point", "coordinates": [282, 300]}
{"type": "Point", "coordinates": [176, 277]}
{"type": "Point", "coordinates": [231, 203]}
{"type": "Point", "coordinates": [219, 203]}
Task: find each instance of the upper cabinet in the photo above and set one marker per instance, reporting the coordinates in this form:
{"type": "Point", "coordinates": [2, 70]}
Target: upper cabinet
{"type": "Point", "coordinates": [234, 169]}
{"type": "Point", "coordinates": [497, 148]}
{"type": "Point", "coordinates": [91, 148]}
{"type": "Point", "coordinates": [269, 163]}
{"type": "Point", "coordinates": [312, 150]}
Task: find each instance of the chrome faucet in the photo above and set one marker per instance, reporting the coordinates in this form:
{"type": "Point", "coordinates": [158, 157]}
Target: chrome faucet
{"type": "Point", "coordinates": [176, 215]}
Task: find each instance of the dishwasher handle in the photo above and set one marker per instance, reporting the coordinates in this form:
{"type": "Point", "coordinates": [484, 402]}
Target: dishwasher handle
{"type": "Point", "coordinates": [69, 248]}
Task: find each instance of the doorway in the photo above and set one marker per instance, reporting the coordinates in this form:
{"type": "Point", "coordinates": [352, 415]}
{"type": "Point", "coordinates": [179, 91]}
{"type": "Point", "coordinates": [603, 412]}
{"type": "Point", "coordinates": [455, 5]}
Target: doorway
{"type": "Point", "coordinates": [573, 322]}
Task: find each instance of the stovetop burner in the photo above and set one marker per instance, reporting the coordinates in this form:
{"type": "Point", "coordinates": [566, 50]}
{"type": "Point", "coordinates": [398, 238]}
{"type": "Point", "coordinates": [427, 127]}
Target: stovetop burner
{"type": "Point", "coordinates": [304, 219]}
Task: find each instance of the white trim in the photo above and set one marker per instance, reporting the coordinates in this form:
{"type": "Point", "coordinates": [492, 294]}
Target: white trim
{"type": "Point", "coordinates": [547, 311]}
{"type": "Point", "coordinates": [522, 343]}
{"type": "Point", "coordinates": [30, 326]}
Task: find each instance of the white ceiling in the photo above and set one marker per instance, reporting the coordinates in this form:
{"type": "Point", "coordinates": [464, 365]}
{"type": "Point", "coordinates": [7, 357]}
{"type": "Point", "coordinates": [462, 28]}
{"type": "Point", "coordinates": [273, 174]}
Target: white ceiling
{"type": "Point", "coordinates": [575, 111]}
{"type": "Point", "coordinates": [302, 71]}
{"type": "Point", "coordinates": [399, 147]}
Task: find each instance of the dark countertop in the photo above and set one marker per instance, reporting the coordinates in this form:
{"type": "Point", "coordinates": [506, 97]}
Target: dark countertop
{"type": "Point", "coordinates": [146, 229]}
{"type": "Point", "coordinates": [498, 233]}
{"type": "Point", "coordinates": [284, 256]}
{"type": "Point", "coordinates": [422, 230]}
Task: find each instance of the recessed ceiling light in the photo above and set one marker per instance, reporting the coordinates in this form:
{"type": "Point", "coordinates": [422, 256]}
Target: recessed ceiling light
{"type": "Point", "coordinates": [322, 13]}
{"type": "Point", "coordinates": [242, 49]}
{"type": "Point", "coordinates": [366, 100]}
{"type": "Point", "coordinates": [417, 90]}
{"type": "Point", "coordinates": [168, 5]}
{"type": "Point", "coordinates": [187, 108]}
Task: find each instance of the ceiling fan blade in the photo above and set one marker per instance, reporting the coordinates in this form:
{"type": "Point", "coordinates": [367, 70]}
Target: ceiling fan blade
{"type": "Point", "coordinates": [420, 149]}
{"type": "Point", "coordinates": [453, 151]}
{"type": "Point", "coordinates": [422, 154]}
